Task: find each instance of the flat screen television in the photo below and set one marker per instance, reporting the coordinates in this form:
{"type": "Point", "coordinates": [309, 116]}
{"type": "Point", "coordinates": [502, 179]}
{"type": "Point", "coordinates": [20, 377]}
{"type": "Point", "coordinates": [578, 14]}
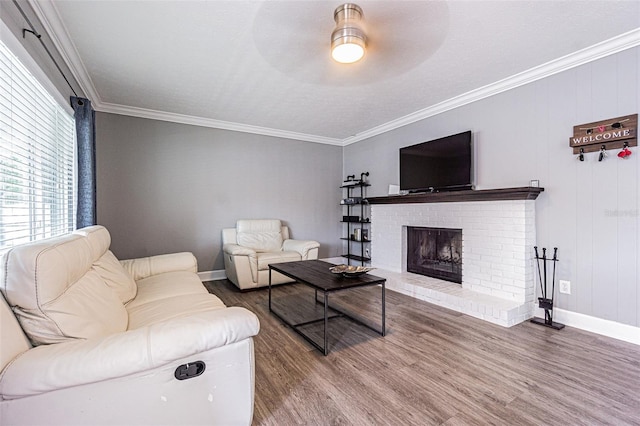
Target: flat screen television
{"type": "Point", "coordinates": [444, 164]}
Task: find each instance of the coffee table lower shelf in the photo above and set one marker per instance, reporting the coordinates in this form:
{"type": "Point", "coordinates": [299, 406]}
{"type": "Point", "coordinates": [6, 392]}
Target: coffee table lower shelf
{"type": "Point", "coordinates": [311, 274]}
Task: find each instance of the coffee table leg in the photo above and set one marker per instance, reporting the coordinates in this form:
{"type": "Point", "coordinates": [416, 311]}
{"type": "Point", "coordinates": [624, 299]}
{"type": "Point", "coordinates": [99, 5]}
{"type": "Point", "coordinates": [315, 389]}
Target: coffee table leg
{"type": "Point", "coordinates": [384, 330]}
{"type": "Point", "coordinates": [269, 289]}
{"type": "Point", "coordinates": [326, 322]}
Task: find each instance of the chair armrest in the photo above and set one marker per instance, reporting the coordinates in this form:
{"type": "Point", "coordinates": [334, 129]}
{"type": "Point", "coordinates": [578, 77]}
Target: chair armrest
{"type": "Point", "coordinates": [50, 367]}
{"type": "Point", "coordinates": [147, 266]}
{"type": "Point", "coordinates": [237, 250]}
{"type": "Point", "coordinates": [301, 246]}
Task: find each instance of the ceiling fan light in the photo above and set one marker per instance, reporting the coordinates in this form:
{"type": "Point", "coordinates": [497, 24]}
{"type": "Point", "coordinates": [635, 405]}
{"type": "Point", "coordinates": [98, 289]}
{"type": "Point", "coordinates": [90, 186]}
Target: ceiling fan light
{"type": "Point", "coordinates": [348, 40]}
{"type": "Point", "coordinates": [348, 51]}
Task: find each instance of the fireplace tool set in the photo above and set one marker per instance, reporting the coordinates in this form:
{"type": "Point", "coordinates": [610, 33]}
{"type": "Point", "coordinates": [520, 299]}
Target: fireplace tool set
{"type": "Point", "coordinates": [546, 302]}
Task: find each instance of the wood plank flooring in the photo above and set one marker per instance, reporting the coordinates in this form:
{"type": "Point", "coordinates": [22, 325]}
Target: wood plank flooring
{"type": "Point", "coordinates": [434, 367]}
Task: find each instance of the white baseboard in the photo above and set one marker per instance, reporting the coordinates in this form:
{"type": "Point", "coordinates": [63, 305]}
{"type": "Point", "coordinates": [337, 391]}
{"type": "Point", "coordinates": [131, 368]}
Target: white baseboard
{"type": "Point", "coordinates": [212, 275]}
{"type": "Point", "coordinates": [616, 330]}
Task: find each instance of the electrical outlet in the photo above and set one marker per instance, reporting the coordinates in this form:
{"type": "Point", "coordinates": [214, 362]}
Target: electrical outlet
{"type": "Point", "coordinates": [565, 286]}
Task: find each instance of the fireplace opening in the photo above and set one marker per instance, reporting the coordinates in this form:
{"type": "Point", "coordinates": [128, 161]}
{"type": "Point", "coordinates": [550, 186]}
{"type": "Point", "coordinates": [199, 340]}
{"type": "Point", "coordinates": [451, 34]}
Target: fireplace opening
{"type": "Point", "coordinates": [435, 252]}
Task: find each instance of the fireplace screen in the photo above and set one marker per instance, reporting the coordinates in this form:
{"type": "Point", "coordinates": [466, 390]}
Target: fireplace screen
{"type": "Point", "coordinates": [435, 252]}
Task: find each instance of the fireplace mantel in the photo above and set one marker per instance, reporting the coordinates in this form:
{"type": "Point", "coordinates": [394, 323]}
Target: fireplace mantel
{"type": "Point", "coordinates": [522, 193]}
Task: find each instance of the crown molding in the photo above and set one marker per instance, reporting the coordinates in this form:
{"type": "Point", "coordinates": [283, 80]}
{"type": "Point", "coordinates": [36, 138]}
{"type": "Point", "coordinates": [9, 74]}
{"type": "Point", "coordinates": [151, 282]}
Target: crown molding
{"type": "Point", "coordinates": [209, 122]}
{"type": "Point", "coordinates": [50, 18]}
{"type": "Point", "coordinates": [597, 51]}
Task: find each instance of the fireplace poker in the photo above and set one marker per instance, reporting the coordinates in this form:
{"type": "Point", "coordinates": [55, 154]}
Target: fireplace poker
{"type": "Point", "coordinates": [553, 280]}
{"type": "Point", "coordinates": [535, 248]}
{"type": "Point", "coordinates": [544, 268]}
{"type": "Point", "coordinates": [547, 312]}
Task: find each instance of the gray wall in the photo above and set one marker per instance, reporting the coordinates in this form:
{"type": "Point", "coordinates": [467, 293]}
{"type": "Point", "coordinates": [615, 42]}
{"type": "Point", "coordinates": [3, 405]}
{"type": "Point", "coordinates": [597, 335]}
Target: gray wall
{"type": "Point", "coordinates": [589, 210]}
{"type": "Point", "coordinates": [165, 187]}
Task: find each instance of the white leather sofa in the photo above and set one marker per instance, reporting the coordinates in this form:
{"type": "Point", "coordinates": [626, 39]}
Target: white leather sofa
{"type": "Point", "coordinates": [253, 244]}
{"type": "Point", "coordinates": [87, 339]}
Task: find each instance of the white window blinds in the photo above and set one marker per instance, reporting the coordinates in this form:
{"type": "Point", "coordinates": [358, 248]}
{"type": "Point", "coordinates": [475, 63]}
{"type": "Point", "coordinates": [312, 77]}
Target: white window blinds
{"type": "Point", "coordinates": [37, 158]}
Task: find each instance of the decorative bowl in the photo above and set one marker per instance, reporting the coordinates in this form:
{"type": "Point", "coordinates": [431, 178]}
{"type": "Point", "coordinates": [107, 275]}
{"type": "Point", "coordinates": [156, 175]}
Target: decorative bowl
{"type": "Point", "coordinates": [350, 271]}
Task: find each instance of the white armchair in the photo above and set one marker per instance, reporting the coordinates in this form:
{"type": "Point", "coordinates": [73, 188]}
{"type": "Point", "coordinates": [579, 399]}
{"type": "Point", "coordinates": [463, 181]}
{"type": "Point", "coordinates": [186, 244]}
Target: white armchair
{"type": "Point", "coordinates": [252, 245]}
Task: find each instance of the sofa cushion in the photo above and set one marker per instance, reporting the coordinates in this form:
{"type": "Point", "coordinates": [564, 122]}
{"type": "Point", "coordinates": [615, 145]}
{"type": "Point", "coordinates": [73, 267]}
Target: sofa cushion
{"type": "Point", "coordinates": [98, 239]}
{"type": "Point", "coordinates": [115, 277]}
{"type": "Point", "coordinates": [106, 264]}
{"type": "Point", "coordinates": [144, 267]}
{"type": "Point", "coordinates": [167, 286]}
{"type": "Point", "coordinates": [87, 309]}
{"type": "Point", "coordinates": [162, 310]}
{"type": "Point", "coordinates": [169, 295]}
{"type": "Point", "coordinates": [261, 235]}
{"type": "Point", "coordinates": [55, 292]}
{"type": "Point", "coordinates": [264, 259]}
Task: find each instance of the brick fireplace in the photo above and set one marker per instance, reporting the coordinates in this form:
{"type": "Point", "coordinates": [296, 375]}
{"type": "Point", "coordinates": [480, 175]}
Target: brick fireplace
{"type": "Point", "coordinates": [498, 236]}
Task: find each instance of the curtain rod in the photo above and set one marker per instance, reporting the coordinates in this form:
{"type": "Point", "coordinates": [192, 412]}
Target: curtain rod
{"type": "Point", "coordinates": [39, 37]}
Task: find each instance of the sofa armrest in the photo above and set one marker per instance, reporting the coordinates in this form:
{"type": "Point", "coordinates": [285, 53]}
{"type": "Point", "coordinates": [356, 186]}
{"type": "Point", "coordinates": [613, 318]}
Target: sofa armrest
{"type": "Point", "coordinates": [147, 266]}
{"type": "Point", "coordinates": [238, 250]}
{"type": "Point", "coordinates": [301, 246]}
{"type": "Point", "coordinates": [50, 367]}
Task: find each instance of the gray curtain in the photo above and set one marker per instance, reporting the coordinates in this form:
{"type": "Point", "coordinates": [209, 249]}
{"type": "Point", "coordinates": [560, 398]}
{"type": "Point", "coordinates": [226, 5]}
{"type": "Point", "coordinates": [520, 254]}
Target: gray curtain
{"type": "Point", "coordinates": [86, 137]}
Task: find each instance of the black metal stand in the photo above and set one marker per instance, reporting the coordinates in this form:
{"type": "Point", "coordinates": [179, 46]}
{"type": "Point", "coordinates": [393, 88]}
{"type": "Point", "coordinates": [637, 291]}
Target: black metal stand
{"type": "Point", "coordinates": [545, 302]}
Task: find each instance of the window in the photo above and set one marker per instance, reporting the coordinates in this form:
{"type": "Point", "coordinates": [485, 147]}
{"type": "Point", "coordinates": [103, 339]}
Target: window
{"type": "Point", "coordinates": [37, 158]}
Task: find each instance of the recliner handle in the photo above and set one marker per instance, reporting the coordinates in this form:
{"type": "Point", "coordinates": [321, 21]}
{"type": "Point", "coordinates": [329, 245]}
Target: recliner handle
{"type": "Point", "coordinates": [190, 370]}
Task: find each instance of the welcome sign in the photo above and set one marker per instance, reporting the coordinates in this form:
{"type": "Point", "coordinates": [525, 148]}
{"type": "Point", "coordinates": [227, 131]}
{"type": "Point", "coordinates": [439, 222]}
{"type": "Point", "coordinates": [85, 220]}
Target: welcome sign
{"type": "Point", "coordinates": [613, 133]}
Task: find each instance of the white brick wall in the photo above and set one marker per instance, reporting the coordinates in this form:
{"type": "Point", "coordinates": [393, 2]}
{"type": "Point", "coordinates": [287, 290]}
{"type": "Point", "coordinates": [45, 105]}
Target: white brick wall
{"type": "Point", "coordinates": [497, 242]}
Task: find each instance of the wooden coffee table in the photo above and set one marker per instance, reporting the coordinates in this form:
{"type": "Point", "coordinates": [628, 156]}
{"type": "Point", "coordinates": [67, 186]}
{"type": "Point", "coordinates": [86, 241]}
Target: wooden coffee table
{"type": "Point", "coordinates": [316, 274]}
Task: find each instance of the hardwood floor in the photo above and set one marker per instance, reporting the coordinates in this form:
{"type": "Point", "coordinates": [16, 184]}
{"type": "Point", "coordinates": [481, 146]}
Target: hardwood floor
{"type": "Point", "coordinates": [434, 367]}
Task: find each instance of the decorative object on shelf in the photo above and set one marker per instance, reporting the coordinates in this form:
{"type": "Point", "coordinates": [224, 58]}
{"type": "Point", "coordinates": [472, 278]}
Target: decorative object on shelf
{"type": "Point", "coordinates": [351, 181]}
{"type": "Point", "coordinates": [350, 271]}
{"type": "Point", "coordinates": [626, 152]}
{"type": "Point", "coordinates": [348, 40]}
{"type": "Point", "coordinates": [535, 183]}
{"type": "Point", "coordinates": [546, 301]}
{"type": "Point", "coordinates": [612, 134]}
{"type": "Point", "coordinates": [394, 189]}
{"type": "Point", "coordinates": [581, 155]}
{"type": "Point", "coordinates": [603, 153]}
{"type": "Point", "coordinates": [351, 200]}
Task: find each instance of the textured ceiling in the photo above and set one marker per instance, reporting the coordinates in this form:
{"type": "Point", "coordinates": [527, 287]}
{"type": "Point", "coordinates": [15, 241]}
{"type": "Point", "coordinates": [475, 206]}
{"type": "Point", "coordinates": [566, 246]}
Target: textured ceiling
{"type": "Point", "coordinates": [265, 65]}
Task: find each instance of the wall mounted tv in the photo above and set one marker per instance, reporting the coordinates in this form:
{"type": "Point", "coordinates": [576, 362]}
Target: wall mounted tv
{"type": "Point", "coordinates": [444, 164]}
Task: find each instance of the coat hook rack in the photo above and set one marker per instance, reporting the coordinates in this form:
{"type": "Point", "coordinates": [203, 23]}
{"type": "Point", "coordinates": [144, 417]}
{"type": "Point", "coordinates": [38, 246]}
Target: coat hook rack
{"type": "Point", "coordinates": [605, 135]}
